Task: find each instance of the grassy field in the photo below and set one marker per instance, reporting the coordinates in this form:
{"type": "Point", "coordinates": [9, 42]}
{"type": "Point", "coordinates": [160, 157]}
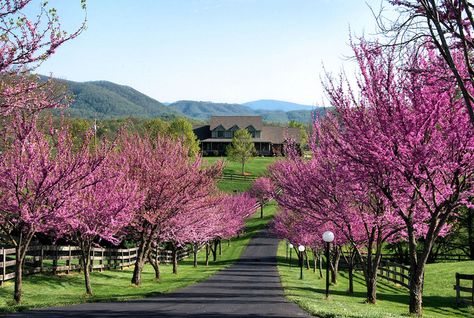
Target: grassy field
{"type": "Point", "coordinates": [439, 297]}
{"type": "Point", "coordinates": [256, 167]}
{"type": "Point", "coordinates": [114, 285]}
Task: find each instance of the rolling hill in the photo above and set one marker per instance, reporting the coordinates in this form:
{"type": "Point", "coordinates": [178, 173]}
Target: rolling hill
{"type": "Point", "coordinates": [276, 105]}
{"type": "Point", "coordinates": [204, 110]}
{"type": "Point", "coordinates": [105, 100]}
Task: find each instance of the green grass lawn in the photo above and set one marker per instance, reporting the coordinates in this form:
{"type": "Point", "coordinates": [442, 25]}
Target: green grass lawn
{"type": "Point", "coordinates": [45, 290]}
{"type": "Point", "coordinates": [439, 297]}
{"type": "Point", "coordinates": [234, 185]}
{"type": "Point", "coordinates": [256, 167]}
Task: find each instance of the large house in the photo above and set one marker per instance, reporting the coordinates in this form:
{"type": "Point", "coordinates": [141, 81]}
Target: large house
{"type": "Point", "coordinates": [268, 140]}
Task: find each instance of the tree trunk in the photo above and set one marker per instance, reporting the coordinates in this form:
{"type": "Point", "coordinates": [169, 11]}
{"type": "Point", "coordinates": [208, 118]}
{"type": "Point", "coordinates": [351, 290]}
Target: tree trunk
{"type": "Point", "coordinates": [334, 264]}
{"type": "Point", "coordinates": [20, 253]}
{"type": "Point", "coordinates": [351, 279]}
{"type": "Point", "coordinates": [86, 257]}
{"type": "Point", "coordinates": [417, 267]}
{"type": "Point", "coordinates": [307, 259]}
{"type": "Point", "coordinates": [372, 289]}
{"type": "Point", "coordinates": [320, 266]}
{"type": "Point", "coordinates": [214, 251]}
{"type": "Point", "coordinates": [18, 275]}
{"type": "Point", "coordinates": [314, 263]}
{"type": "Point", "coordinates": [243, 168]}
{"type": "Point", "coordinates": [220, 248]}
{"type": "Point", "coordinates": [370, 265]}
{"type": "Point", "coordinates": [155, 262]}
{"type": "Point", "coordinates": [416, 292]}
{"type": "Point", "coordinates": [207, 254]}
{"type": "Point", "coordinates": [142, 255]}
{"type": "Point", "coordinates": [470, 232]}
{"type": "Point", "coordinates": [195, 251]}
{"type": "Point", "coordinates": [174, 255]}
{"type": "Point", "coordinates": [261, 210]}
{"type": "Point", "coordinates": [350, 260]}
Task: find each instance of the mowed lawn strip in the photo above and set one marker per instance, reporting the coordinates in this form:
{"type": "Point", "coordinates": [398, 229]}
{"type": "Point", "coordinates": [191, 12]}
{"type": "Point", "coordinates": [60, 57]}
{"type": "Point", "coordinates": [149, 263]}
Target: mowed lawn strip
{"type": "Point", "coordinates": [256, 167]}
{"type": "Point", "coordinates": [439, 299]}
{"type": "Point", "coordinates": [45, 290]}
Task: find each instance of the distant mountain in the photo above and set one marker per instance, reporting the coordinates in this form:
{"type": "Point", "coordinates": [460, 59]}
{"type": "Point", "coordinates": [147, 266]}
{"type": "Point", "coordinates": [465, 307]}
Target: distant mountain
{"type": "Point", "coordinates": [204, 110]}
{"type": "Point", "coordinates": [276, 105]}
{"type": "Point", "coordinates": [102, 100]}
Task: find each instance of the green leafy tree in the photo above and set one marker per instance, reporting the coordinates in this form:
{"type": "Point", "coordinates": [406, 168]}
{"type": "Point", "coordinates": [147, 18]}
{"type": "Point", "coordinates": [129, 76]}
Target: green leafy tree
{"type": "Point", "coordinates": [242, 148]}
{"type": "Point", "coordinates": [156, 126]}
{"type": "Point", "coordinates": [182, 128]}
{"type": "Point", "coordinates": [303, 132]}
{"type": "Point", "coordinates": [178, 128]}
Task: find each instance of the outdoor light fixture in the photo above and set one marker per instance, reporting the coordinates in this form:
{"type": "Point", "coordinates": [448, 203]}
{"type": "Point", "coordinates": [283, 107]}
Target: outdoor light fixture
{"type": "Point", "coordinates": [291, 247]}
{"type": "Point", "coordinates": [328, 237]}
{"type": "Point", "coordinates": [301, 250]}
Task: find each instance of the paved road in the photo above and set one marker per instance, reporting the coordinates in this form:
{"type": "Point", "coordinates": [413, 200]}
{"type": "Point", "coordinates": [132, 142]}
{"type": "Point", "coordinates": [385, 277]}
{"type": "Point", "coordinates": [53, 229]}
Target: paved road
{"type": "Point", "coordinates": [249, 288]}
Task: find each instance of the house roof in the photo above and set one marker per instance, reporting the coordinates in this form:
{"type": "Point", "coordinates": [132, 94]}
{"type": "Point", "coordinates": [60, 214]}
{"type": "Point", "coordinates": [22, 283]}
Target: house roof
{"type": "Point", "coordinates": [202, 132]}
{"type": "Point", "coordinates": [278, 135]}
{"type": "Point", "coordinates": [241, 121]}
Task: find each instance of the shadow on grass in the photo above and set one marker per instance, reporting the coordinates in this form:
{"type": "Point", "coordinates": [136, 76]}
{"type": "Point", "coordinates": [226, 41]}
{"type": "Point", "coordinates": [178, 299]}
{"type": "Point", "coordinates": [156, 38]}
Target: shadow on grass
{"type": "Point", "coordinates": [388, 293]}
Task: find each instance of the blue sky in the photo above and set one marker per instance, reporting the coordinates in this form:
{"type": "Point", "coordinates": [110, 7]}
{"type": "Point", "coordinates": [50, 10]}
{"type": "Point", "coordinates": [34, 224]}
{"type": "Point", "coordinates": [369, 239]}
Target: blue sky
{"type": "Point", "coordinates": [223, 51]}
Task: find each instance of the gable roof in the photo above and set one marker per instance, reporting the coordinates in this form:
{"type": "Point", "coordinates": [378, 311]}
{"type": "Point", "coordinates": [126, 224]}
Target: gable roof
{"type": "Point", "coordinates": [241, 121]}
{"type": "Point", "coordinates": [278, 135]}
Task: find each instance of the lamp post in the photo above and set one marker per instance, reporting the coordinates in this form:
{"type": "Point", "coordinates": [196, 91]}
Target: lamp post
{"type": "Point", "coordinates": [291, 247]}
{"type": "Point", "coordinates": [301, 250]}
{"type": "Point", "coordinates": [328, 237]}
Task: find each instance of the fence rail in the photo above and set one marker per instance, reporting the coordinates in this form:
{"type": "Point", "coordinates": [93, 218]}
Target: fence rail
{"type": "Point", "coordinates": [452, 257]}
{"type": "Point", "coordinates": [232, 176]}
{"type": "Point", "coordinates": [459, 288]}
{"type": "Point", "coordinates": [55, 259]}
{"type": "Point", "coordinates": [394, 272]}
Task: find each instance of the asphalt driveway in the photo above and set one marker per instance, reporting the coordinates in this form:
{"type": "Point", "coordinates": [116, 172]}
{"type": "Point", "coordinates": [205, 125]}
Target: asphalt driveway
{"type": "Point", "coordinates": [249, 288]}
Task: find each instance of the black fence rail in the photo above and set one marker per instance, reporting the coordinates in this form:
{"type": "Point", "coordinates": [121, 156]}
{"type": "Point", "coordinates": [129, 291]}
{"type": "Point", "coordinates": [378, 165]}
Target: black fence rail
{"type": "Point", "coordinates": [460, 288]}
{"type": "Point", "coordinates": [238, 177]}
{"type": "Point", "coordinates": [395, 273]}
{"type": "Point", "coordinates": [56, 259]}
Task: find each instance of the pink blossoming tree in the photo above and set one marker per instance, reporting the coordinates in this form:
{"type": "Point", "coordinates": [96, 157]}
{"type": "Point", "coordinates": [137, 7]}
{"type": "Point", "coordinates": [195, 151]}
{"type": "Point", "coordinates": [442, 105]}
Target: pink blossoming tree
{"type": "Point", "coordinates": [262, 190]}
{"type": "Point", "coordinates": [171, 183]}
{"type": "Point", "coordinates": [100, 211]}
{"type": "Point", "coordinates": [38, 175]}
{"type": "Point", "coordinates": [407, 134]}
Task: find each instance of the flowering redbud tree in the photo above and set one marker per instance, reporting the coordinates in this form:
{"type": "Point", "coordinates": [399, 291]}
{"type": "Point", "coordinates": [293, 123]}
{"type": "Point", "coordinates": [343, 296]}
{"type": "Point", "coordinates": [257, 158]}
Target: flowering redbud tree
{"type": "Point", "coordinates": [27, 40]}
{"type": "Point", "coordinates": [448, 27]}
{"type": "Point", "coordinates": [171, 183]}
{"type": "Point", "coordinates": [38, 175]}
{"type": "Point", "coordinates": [409, 137]}
{"type": "Point", "coordinates": [262, 190]}
{"type": "Point", "coordinates": [100, 211]}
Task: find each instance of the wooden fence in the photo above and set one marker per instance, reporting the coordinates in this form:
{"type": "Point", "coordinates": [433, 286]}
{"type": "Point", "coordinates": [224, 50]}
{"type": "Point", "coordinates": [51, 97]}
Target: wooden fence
{"type": "Point", "coordinates": [231, 176]}
{"type": "Point", "coordinates": [452, 258]}
{"type": "Point", "coordinates": [460, 288]}
{"type": "Point", "coordinates": [55, 259]}
{"type": "Point", "coordinates": [394, 272]}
